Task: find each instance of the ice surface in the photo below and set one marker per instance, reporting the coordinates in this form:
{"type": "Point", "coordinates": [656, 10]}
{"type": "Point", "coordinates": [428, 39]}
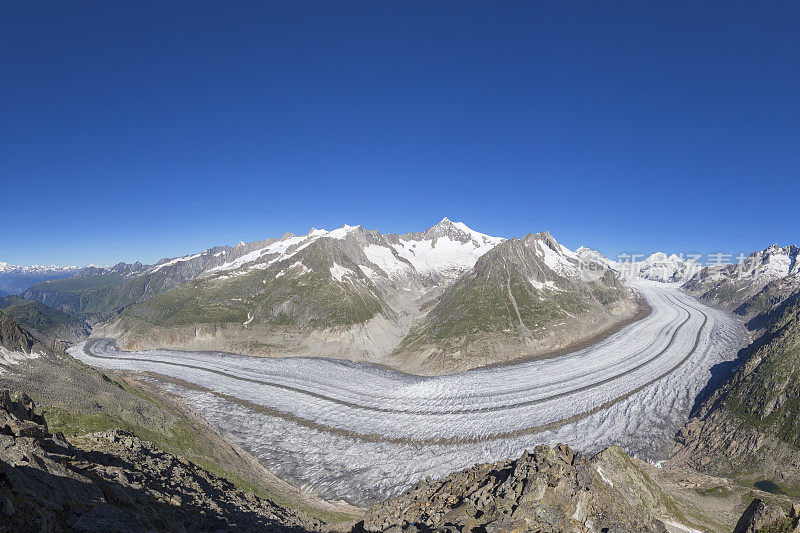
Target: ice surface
{"type": "Point", "coordinates": [360, 432]}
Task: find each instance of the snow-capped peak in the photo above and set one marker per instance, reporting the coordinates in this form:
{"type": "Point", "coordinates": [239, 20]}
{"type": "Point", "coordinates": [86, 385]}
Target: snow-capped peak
{"type": "Point", "coordinates": [342, 232]}
{"type": "Point", "coordinates": [459, 231]}
{"type": "Point", "coordinates": [5, 267]}
{"type": "Point", "coordinates": [773, 262]}
{"type": "Point", "coordinates": [589, 256]}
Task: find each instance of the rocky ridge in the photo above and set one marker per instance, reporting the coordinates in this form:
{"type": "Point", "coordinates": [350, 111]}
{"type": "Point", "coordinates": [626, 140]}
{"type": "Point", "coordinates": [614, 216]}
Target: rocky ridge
{"type": "Point", "coordinates": [55, 328]}
{"type": "Point", "coordinates": [524, 297]}
{"type": "Point", "coordinates": [749, 426]}
{"type": "Point", "coordinates": [753, 286]}
{"type": "Point", "coordinates": [548, 490]}
{"type": "Point", "coordinates": [112, 481]}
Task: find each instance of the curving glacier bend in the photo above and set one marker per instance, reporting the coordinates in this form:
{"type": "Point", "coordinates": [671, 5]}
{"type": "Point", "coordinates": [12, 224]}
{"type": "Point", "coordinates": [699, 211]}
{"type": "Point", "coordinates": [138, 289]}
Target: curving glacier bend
{"type": "Point", "coordinates": [358, 432]}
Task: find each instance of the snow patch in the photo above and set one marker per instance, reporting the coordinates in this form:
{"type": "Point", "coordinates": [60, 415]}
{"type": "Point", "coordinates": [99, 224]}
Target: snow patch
{"type": "Point", "coordinates": [175, 261]}
{"type": "Point", "coordinates": [604, 478]}
{"type": "Point", "coordinates": [342, 232]}
{"type": "Point", "coordinates": [8, 357]}
{"type": "Point", "coordinates": [339, 272]}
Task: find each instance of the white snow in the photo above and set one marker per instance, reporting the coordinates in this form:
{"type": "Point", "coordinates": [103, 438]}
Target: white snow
{"type": "Point", "coordinates": [274, 252]}
{"type": "Point", "coordinates": [557, 261]}
{"type": "Point", "coordinates": [296, 265]}
{"type": "Point", "coordinates": [384, 258]}
{"type": "Point", "coordinates": [339, 272]}
{"type": "Point", "coordinates": [342, 232]}
{"type": "Point", "coordinates": [443, 256]}
{"type": "Point", "coordinates": [175, 261]}
{"type": "Point", "coordinates": [277, 251]}
{"type": "Point", "coordinates": [36, 269]}
{"type": "Point", "coordinates": [8, 357]}
{"type": "Point", "coordinates": [546, 285]}
{"type": "Point", "coordinates": [605, 479]}
{"type": "Point", "coordinates": [477, 237]}
{"type": "Point", "coordinates": [371, 274]}
{"type": "Point", "coordinates": [675, 527]}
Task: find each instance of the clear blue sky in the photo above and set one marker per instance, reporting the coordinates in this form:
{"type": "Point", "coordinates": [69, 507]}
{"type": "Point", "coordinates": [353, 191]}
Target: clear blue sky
{"type": "Point", "coordinates": [137, 130]}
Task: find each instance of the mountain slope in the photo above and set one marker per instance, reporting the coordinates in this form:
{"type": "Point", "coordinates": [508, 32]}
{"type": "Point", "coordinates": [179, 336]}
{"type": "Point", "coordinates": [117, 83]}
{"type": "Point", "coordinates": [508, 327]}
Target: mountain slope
{"type": "Point", "coordinates": [100, 293]}
{"type": "Point", "coordinates": [113, 481]}
{"type": "Point", "coordinates": [524, 297]}
{"type": "Point", "coordinates": [56, 328]}
{"type": "Point", "coordinates": [348, 293]}
{"type": "Point", "coordinates": [78, 400]}
{"type": "Point", "coordinates": [750, 427]}
{"type": "Point", "coordinates": [450, 296]}
{"type": "Point", "coordinates": [764, 279]}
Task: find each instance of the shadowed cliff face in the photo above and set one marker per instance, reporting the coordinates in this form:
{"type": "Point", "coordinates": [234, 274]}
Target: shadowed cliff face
{"type": "Point", "coordinates": [112, 481]}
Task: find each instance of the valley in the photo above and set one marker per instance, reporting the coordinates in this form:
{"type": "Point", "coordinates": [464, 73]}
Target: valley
{"type": "Point", "coordinates": [351, 375]}
{"type": "Point", "coordinates": [300, 416]}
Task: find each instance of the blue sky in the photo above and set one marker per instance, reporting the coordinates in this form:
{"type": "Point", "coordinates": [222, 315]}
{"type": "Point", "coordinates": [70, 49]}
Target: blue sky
{"type": "Point", "coordinates": [147, 129]}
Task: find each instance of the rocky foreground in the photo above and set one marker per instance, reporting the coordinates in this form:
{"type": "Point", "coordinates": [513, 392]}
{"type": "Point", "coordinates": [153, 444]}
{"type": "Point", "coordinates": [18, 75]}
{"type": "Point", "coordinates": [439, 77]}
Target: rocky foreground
{"type": "Point", "coordinates": [555, 490]}
{"type": "Point", "coordinates": [550, 490]}
{"type": "Point", "coordinates": [112, 481]}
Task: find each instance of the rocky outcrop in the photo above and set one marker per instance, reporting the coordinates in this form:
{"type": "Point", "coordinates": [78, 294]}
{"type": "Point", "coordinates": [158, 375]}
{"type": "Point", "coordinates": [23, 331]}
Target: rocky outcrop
{"type": "Point", "coordinates": [16, 339]}
{"type": "Point", "coordinates": [78, 400]}
{"type": "Point", "coordinates": [549, 490]}
{"type": "Point", "coordinates": [112, 481]}
{"type": "Point", "coordinates": [761, 517]}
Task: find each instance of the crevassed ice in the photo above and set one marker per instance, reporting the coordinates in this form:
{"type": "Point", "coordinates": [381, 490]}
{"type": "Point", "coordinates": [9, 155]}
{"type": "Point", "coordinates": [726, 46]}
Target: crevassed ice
{"type": "Point", "coordinates": [361, 432]}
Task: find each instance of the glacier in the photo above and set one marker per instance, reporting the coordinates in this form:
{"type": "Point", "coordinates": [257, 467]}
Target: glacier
{"type": "Point", "coordinates": [360, 432]}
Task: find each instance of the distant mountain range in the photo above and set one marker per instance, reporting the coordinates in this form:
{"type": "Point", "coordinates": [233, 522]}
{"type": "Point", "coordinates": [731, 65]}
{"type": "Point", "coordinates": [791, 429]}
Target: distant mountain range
{"type": "Point", "coordinates": [15, 279]}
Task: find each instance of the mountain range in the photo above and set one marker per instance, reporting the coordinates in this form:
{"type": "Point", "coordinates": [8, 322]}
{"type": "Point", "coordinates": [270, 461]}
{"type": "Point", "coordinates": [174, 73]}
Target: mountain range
{"type": "Point", "coordinates": [438, 301]}
{"type": "Point", "coordinates": [15, 279]}
{"type": "Point", "coordinates": [442, 300]}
